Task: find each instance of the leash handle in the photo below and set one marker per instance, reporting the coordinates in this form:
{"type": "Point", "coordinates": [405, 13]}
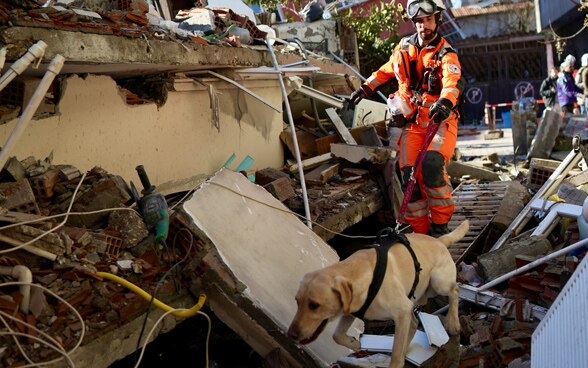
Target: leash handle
{"type": "Point", "coordinates": [431, 131]}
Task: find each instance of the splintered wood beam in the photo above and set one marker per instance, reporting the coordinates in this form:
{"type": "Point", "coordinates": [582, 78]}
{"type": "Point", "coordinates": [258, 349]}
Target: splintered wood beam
{"type": "Point", "coordinates": [340, 126]}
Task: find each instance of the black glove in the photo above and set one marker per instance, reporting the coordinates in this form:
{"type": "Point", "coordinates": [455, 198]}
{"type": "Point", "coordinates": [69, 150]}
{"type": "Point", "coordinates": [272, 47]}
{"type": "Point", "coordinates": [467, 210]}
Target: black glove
{"type": "Point", "coordinates": [359, 94]}
{"type": "Point", "coordinates": [441, 110]}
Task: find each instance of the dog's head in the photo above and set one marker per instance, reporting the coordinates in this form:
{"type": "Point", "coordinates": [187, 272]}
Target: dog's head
{"type": "Point", "coordinates": [321, 297]}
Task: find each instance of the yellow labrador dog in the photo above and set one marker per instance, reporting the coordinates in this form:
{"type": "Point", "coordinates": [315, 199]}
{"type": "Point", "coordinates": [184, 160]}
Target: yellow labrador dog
{"type": "Point", "coordinates": [342, 288]}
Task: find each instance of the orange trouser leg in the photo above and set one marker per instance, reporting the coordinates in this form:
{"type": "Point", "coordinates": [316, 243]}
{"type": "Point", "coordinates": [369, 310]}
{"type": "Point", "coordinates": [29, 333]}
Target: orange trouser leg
{"type": "Point", "coordinates": [433, 202]}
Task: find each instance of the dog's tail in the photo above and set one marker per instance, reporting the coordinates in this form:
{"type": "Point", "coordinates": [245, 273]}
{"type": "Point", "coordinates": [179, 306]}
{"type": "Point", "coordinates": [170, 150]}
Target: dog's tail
{"type": "Point", "coordinates": [456, 235]}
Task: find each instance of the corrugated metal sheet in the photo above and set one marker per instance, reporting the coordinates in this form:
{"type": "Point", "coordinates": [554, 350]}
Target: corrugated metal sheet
{"type": "Point", "coordinates": [551, 10]}
{"type": "Point", "coordinates": [561, 338]}
{"type": "Point", "coordinates": [469, 11]}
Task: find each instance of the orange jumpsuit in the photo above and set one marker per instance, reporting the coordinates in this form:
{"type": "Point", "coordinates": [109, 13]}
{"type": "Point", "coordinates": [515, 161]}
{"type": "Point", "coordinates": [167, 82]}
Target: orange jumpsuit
{"type": "Point", "coordinates": [431, 199]}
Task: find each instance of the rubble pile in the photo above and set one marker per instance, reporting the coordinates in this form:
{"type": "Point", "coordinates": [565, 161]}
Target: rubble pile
{"type": "Point", "coordinates": [134, 19]}
{"type": "Point", "coordinates": [64, 253]}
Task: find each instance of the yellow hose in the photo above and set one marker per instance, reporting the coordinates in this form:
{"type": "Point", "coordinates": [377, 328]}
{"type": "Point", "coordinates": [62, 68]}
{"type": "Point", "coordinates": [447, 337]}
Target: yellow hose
{"type": "Point", "coordinates": [137, 290]}
{"type": "Point", "coordinates": [311, 118]}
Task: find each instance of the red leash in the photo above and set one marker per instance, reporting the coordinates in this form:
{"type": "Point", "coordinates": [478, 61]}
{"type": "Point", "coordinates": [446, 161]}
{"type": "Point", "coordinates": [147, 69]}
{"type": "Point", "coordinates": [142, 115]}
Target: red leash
{"type": "Point", "coordinates": [431, 131]}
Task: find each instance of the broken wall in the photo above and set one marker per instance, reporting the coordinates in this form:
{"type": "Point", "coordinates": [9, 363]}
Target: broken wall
{"type": "Point", "coordinates": [176, 143]}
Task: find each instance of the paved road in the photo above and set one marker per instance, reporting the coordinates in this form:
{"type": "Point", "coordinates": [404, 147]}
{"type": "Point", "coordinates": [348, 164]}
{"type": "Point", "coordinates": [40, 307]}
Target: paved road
{"type": "Point", "coordinates": [476, 145]}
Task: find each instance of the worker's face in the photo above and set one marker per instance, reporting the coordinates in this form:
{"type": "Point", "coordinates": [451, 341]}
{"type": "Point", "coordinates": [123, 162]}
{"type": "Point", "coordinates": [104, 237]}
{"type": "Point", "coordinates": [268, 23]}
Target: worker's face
{"type": "Point", "coordinates": [425, 27]}
{"type": "Point", "coordinates": [553, 73]}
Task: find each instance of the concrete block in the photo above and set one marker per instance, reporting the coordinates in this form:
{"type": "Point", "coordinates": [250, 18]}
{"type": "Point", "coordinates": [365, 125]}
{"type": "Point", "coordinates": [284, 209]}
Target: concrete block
{"type": "Point", "coordinates": [546, 135]}
{"type": "Point", "coordinates": [502, 260]}
{"type": "Point", "coordinates": [362, 154]}
{"type": "Point", "coordinates": [515, 199]}
{"type": "Point", "coordinates": [269, 174]}
{"type": "Point", "coordinates": [281, 188]}
{"type": "Point", "coordinates": [198, 20]}
{"type": "Point", "coordinates": [14, 169]}
{"type": "Point", "coordinates": [18, 196]}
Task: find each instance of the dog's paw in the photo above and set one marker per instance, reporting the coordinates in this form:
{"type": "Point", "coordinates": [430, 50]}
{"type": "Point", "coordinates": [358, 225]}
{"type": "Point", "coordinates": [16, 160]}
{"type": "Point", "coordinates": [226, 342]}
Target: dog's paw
{"type": "Point", "coordinates": [453, 327]}
{"type": "Point", "coordinates": [348, 341]}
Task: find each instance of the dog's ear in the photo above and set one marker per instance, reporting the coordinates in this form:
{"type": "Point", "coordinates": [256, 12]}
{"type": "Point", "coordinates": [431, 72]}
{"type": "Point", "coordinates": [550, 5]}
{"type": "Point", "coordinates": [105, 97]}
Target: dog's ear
{"type": "Point", "coordinates": [344, 288]}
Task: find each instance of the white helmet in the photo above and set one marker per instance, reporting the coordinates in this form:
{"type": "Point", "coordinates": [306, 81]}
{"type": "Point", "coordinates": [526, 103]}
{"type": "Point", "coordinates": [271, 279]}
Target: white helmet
{"type": "Point", "coordinates": [422, 8]}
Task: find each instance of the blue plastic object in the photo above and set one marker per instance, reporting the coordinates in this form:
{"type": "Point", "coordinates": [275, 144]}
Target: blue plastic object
{"type": "Point", "coordinates": [506, 122]}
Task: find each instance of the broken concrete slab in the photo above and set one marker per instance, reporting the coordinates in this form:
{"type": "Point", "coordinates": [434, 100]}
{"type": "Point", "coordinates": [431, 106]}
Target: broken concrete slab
{"type": "Point", "coordinates": [546, 135]}
{"type": "Point", "coordinates": [515, 199]}
{"type": "Point", "coordinates": [253, 271]}
{"type": "Point", "coordinates": [457, 169]}
{"type": "Point", "coordinates": [362, 154]}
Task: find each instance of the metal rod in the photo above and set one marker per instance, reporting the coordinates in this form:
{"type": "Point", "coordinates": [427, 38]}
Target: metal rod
{"type": "Point", "coordinates": [534, 264]}
{"type": "Point", "coordinates": [244, 89]}
{"type": "Point", "coordinates": [52, 70]}
{"type": "Point", "coordinates": [317, 118]}
{"type": "Point", "coordinates": [524, 216]}
{"type": "Point", "coordinates": [295, 63]}
{"type": "Point", "coordinates": [356, 73]}
{"type": "Point", "coordinates": [293, 131]}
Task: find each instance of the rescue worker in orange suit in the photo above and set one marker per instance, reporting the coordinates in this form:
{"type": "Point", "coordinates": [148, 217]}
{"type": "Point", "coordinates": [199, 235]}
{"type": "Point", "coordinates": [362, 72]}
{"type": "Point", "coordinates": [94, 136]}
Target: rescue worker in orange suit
{"type": "Point", "coordinates": [428, 73]}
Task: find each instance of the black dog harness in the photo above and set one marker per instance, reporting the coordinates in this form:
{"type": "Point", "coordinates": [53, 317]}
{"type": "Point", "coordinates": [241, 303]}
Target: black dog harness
{"type": "Point", "coordinates": [392, 237]}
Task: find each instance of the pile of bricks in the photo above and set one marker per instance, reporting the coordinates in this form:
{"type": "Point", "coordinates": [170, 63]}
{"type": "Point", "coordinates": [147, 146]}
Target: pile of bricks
{"type": "Point", "coordinates": [116, 242]}
{"type": "Point", "coordinates": [493, 341]}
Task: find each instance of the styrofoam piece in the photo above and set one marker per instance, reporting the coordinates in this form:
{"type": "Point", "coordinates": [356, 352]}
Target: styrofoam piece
{"type": "Point", "coordinates": [434, 329]}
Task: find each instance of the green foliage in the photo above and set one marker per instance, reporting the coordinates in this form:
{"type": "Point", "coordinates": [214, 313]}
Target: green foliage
{"type": "Point", "coordinates": [377, 33]}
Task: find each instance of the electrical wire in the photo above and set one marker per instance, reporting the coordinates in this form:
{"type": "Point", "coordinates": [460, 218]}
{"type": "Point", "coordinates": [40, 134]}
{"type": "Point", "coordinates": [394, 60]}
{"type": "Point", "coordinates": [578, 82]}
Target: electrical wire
{"type": "Point", "coordinates": [298, 215]}
{"type": "Point", "coordinates": [54, 228]}
{"type": "Point", "coordinates": [152, 299]}
{"type": "Point", "coordinates": [67, 304]}
{"type": "Point", "coordinates": [161, 319]}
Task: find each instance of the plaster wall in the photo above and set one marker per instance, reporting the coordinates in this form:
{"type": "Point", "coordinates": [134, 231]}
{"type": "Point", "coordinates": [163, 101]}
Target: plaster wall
{"type": "Point", "coordinates": [177, 143]}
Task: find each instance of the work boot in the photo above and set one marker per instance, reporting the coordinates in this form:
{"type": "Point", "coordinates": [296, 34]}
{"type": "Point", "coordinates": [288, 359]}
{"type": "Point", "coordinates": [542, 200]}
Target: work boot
{"type": "Point", "coordinates": [438, 230]}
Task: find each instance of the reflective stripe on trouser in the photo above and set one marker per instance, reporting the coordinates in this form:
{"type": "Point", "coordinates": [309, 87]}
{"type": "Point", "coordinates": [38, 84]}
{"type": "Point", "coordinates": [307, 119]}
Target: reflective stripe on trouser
{"type": "Point", "coordinates": [435, 202]}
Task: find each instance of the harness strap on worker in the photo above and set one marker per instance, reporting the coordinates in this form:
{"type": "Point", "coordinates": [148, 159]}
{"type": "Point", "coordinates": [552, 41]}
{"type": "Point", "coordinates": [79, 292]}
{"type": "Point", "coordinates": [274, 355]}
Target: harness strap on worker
{"type": "Point", "coordinates": [392, 237]}
{"type": "Point", "coordinates": [431, 131]}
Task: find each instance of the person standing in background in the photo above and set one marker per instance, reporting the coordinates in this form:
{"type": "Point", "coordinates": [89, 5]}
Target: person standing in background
{"type": "Point", "coordinates": [567, 90]}
{"type": "Point", "coordinates": [582, 81]}
{"type": "Point", "coordinates": [548, 90]}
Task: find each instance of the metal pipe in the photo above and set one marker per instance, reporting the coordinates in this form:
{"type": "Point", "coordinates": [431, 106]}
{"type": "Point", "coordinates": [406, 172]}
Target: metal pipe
{"type": "Point", "coordinates": [24, 275]}
{"type": "Point", "coordinates": [305, 62]}
{"type": "Point", "coordinates": [311, 85]}
{"type": "Point", "coordinates": [52, 70]}
{"type": "Point", "coordinates": [294, 138]}
{"type": "Point", "coordinates": [554, 179]}
{"type": "Point", "coordinates": [356, 73]}
{"type": "Point", "coordinates": [35, 52]}
{"type": "Point", "coordinates": [29, 248]}
{"type": "Point", "coordinates": [534, 264]}
{"type": "Point", "coordinates": [244, 89]}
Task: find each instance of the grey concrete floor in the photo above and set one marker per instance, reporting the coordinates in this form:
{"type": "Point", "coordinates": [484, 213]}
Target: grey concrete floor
{"type": "Point", "coordinates": [477, 145]}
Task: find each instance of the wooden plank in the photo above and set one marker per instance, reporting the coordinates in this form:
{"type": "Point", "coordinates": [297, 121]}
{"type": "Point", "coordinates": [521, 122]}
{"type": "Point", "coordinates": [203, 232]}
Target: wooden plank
{"type": "Point", "coordinates": [321, 174]}
{"type": "Point", "coordinates": [340, 126]}
{"type": "Point", "coordinates": [311, 163]}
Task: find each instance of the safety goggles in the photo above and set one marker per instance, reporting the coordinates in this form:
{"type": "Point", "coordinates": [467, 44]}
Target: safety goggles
{"type": "Point", "coordinates": [427, 6]}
